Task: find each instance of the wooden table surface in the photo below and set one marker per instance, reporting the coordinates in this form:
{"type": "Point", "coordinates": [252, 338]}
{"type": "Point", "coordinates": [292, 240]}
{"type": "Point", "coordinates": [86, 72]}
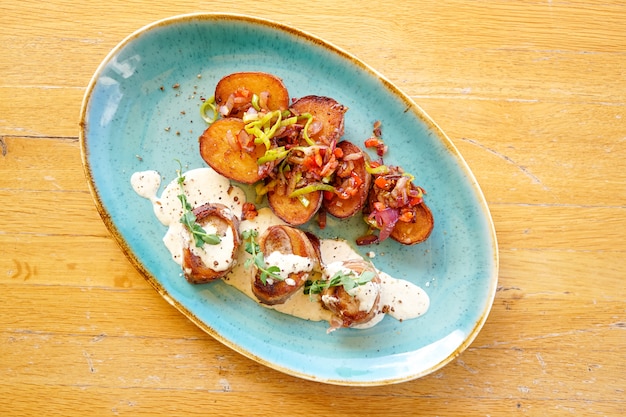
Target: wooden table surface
{"type": "Point", "coordinates": [532, 93]}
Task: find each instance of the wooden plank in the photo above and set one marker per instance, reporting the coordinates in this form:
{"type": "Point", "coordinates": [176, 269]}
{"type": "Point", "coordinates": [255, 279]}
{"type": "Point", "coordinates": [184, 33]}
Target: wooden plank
{"type": "Point", "coordinates": [194, 365]}
{"type": "Point", "coordinates": [515, 317]}
{"type": "Point", "coordinates": [63, 400]}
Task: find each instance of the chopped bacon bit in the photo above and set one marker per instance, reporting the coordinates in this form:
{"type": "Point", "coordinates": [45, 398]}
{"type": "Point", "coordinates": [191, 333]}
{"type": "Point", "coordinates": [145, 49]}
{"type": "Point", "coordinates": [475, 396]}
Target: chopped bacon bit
{"type": "Point", "coordinates": [234, 143]}
{"type": "Point", "coordinates": [227, 107]}
{"type": "Point", "coordinates": [376, 141]}
{"type": "Point", "coordinates": [353, 157]}
{"type": "Point", "coordinates": [379, 206]}
{"type": "Point", "coordinates": [245, 140]}
{"type": "Point", "coordinates": [249, 211]}
{"type": "Point", "coordinates": [358, 181]}
{"type": "Point", "coordinates": [321, 218]}
{"type": "Point", "coordinates": [242, 92]}
{"type": "Point", "coordinates": [264, 96]}
{"type": "Point", "coordinates": [366, 240]}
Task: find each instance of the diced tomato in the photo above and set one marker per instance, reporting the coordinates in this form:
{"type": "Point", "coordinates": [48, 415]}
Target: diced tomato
{"type": "Point", "coordinates": [357, 180]}
{"type": "Point", "coordinates": [338, 152]}
{"type": "Point", "coordinates": [318, 159]}
{"type": "Point", "coordinates": [310, 163]}
{"type": "Point", "coordinates": [328, 195]}
{"type": "Point", "coordinates": [406, 216]}
{"type": "Point", "coordinates": [373, 142]}
{"type": "Point", "coordinates": [414, 201]}
{"type": "Point", "coordinates": [379, 206]}
{"type": "Point", "coordinates": [382, 183]}
{"type": "Point", "coordinates": [242, 92]}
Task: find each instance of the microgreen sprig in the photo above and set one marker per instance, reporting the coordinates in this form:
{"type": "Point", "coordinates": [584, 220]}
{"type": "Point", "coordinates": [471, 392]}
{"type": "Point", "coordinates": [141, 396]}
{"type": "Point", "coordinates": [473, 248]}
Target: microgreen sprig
{"type": "Point", "coordinates": [253, 248]}
{"type": "Point", "coordinates": [349, 280]}
{"type": "Point", "coordinates": [188, 219]}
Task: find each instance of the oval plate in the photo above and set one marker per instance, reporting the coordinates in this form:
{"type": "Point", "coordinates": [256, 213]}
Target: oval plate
{"type": "Point", "coordinates": [141, 111]}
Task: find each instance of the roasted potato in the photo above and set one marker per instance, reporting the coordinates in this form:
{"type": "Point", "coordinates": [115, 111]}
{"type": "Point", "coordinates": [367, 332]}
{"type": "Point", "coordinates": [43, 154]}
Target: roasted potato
{"type": "Point", "coordinates": [291, 210]}
{"type": "Point", "coordinates": [221, 149]}
{"type": "Point", "coordinates": [223, 219]}
{"type": "Point", "coordinates": [412, 221]}
{"type": "Point", "coordinates": [353, 181]}
{"type": "Point", "coordinates": [286, 241]}
{"type": "Point", "coordinates": [234, 93]}
{"type": "Point", "coordinates": [328, 117]}
{"type": "Point", "coordinates": [417, 230]}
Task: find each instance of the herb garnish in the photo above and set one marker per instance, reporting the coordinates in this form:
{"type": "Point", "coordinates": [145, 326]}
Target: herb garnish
{"type": "Point", "coordinates": [188, 219]}
{"type": "Point", "coordinates": [253, 248]}
{"type": "Point", "coordinates": [349, 280]}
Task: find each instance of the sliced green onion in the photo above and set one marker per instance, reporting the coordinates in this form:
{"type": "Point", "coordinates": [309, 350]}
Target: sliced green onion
{"type": "Point", "coordinates": [262, 188]}
{"type": "Point", "coordinates": [255, 102]}
{"type": "Point", "coordinates": [289, 121]}
{"type": "Point", "coordinates": [209, 104]}
{"type": "Point", "coordinates": [379, 170]}
{"type": "Point", "coordinates": [312, 188]}
{"type": "Point", "coordinates": [410, 176]}
{"type": "Point", "coordinates": [305, 131]}
{"type": "Point", "coordinates": [304, 201]}
{"type": "Point", "coordinates": [273, 155]}
{"type": "Point", "coordinates": [262, 129]}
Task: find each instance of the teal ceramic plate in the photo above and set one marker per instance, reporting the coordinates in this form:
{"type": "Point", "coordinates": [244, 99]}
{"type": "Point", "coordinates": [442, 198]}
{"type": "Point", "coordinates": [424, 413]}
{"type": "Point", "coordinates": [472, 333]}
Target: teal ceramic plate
{"type": "Point", "coordinates": [141, 111]}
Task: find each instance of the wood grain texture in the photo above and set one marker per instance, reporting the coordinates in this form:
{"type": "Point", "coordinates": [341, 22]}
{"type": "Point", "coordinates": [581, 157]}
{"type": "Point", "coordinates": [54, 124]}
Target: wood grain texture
{"type": "Point", "coordinates": [533, 94]}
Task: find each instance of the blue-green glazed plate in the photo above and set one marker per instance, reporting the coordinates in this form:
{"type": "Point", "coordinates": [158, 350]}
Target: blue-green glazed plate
{"type": "Point", "coordinates": [141, 111]}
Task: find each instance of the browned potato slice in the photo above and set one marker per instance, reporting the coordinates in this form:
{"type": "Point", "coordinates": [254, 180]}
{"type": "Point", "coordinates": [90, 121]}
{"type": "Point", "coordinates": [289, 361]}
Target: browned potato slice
{"type": "Point", "coordinates": [291, 210]}
{"type": "Point", "coordinates": [348, 309]}
{"type": "Point", "coordinates": [327, 113]}
{"type": "Point", "coordinates": [222, 218]}
{"type": "Point", "coordinates": [288, 241]}
{"type": "Point", "coordinates": [253, 83]}
{"type": "Point", "coordinates": [346, 207]}
{"type": "Point", "coordinates": [219, 149]}
{"type": "Point", "coordinates": [410, 233]}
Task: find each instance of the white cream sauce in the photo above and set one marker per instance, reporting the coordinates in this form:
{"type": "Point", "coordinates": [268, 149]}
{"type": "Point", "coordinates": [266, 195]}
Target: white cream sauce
{"type": "Point", "coordinates": [289, 263]}
{"type": "Point", "coordinates": [400, 299]}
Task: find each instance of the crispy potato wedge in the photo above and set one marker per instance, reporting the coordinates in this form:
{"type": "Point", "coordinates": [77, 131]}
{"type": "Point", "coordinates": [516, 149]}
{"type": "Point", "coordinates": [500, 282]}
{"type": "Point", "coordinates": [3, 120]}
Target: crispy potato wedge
{"type": "Point", "coordinates": [346, 207]}
{"type": "Point", "coordinates": [291, 210]}
{"type": "Point", "coordinates": [222, 218]}
{"type": "Point", "coordinates": [327, 114]}
{"type": "Point", "coordinates": [410, 233]}
{"type": "Point", "coordinates": [219, 149]}
{"type": "Point", "coordinates": [285, 240]}
{"type": "Point", "coordinates": [249, 83]}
